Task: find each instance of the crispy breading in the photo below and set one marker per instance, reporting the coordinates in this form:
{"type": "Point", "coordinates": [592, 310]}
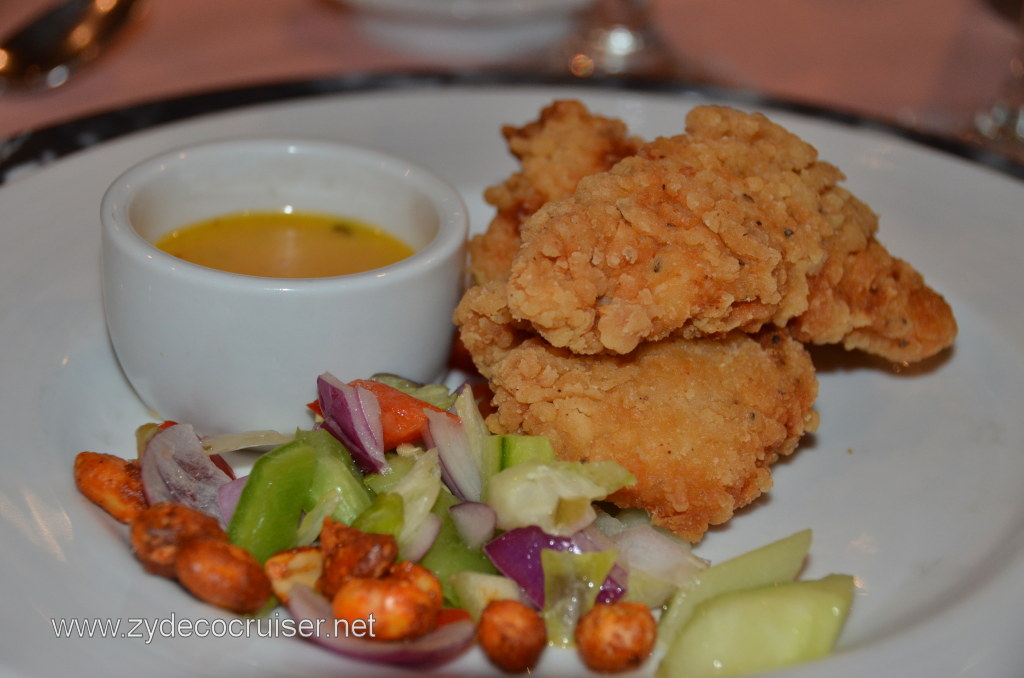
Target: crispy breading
{"type": "Point", "coordinates": [698, 422]}
{"type": "Point", "coordinates": [728, 226]}
{"type": "Point", "coordinates": [871, 301]}
{"type": "Point", "coordinates": [652, 311]}
{"type": "Point", "coordinates": [566, 143]}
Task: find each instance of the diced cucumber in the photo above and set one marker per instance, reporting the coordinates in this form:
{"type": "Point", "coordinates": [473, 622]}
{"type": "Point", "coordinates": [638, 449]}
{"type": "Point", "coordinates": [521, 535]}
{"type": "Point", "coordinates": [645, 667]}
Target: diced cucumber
{"type": "Point", "coordinates": [510, 450]}
{"type": "Point", "coordinates": [760, 629]}
{"type": "Point", "coordinates": [476, 589]}
{"type": "Point", "coordinates": [779, 561]}
{"type": "Point", "coordinates": [506, 450]}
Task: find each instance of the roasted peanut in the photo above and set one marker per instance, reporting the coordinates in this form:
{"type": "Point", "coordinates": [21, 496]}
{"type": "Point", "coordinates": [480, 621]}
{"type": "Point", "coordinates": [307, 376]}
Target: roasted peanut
{"type": "Point", "coordinates": [616, 637]}
{"type": "Point", "coordinates": [222, 574]}
{"type": "Point", "coordinates": [112, 483]}
{"type": "Point", "coordinates": [404, 604]}
{"type": "Point", "coordinates": [160, 530]}
{"type": "Point", "coordinates": [302, 565]}
{"type": "Point", "coordinates": [512, 635]}
{"type": "Point", "coordinates": [349, 552]}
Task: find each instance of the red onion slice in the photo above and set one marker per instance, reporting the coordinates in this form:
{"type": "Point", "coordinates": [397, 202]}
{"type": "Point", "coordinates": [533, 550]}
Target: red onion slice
{"type": "Point", "coordinates": [641, 547]}
{"type": "Point", "coordinates": [352, 415]}
{"type": "Point", "coordinates": [516, 554]}
{"type": "Point", "coordinates": [421, 541]}
{"type": "Point", "coordinates": [312, 613]}
{"type": "Point", "coordinates": [474, 521]}
{"type": "Point", "coordinates": [459, 469]}
{"type": "Point", "coordinates": [176, 468]}
{"type": "Point", "coordinates": [227, 497]}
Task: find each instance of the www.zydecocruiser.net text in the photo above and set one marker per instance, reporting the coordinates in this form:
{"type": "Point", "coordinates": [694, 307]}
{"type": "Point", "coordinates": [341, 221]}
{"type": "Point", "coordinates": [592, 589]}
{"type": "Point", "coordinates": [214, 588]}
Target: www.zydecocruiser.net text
{"type": "Point", "coordinates": [148, 630]}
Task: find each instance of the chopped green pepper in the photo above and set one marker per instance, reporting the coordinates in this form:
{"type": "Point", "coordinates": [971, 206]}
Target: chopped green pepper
{"type": "Point", "coordinates": [266, 519]}
{"type": "Point", "coordinates": [312, 473]}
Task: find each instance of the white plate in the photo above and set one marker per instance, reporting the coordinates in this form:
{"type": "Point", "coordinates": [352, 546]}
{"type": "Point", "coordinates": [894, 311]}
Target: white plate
{"type": "Point", "coordinates": [913, 483]}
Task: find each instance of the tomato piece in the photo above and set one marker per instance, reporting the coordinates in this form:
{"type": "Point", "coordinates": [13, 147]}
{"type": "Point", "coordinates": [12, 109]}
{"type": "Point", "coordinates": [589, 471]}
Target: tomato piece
{"type": "Point", "coordinates": [402, 415]}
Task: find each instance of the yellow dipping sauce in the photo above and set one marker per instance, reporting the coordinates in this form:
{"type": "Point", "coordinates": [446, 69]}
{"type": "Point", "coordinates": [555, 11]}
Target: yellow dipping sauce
{"type": "Point", "coordinates": [285, 245]}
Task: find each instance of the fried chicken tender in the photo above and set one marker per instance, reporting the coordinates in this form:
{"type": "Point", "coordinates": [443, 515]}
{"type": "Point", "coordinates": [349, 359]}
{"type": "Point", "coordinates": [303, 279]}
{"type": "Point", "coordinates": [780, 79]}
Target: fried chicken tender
{"type": "Point", "coordinates": [566, 143]}
{"type": "Point", "coordinates": [698, 422]}
{"type": "Point", "coordinates": [733, 225]}
{"type": "Point", "coordinates": [646, 303]}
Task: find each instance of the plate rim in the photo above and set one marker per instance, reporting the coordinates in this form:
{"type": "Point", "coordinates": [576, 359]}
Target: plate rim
{"type": "Point", "coordinates": [35, 148]}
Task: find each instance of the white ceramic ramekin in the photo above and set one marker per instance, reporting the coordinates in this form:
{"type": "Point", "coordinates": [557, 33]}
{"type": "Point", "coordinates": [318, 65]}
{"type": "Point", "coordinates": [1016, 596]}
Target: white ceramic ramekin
{"type": "Point", "coordinates": [228, 352]}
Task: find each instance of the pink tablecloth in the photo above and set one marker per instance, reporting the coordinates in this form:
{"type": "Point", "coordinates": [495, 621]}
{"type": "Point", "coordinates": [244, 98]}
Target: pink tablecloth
{"type": "Point", "coordinates": [923, 63]}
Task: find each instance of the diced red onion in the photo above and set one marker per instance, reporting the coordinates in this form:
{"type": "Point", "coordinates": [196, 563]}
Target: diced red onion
{"type": "Point", "coordinates": [352, 415]}
{"type": "Point", "coordinates": [423, 538]}
{"type": "Point", "coordinates": [176, 468]}
{"type": "Point", "coordinates": [643, 548]}
{"type": "Point", "coordinates": [459, 469]}
{"type": "Point", "coordinates": [474, 521]}
{"type": "Point", "coordinates": [312, 612]}
{"type": "Point", "coordinates": [516, 554]}
{"type": "Point", "coordinates": [227, 497]}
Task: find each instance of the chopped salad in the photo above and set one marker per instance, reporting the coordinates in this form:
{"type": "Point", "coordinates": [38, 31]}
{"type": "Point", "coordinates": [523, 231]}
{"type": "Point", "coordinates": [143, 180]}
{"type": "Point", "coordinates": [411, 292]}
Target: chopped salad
{"type": "Point", "coordinates": [401, 519]}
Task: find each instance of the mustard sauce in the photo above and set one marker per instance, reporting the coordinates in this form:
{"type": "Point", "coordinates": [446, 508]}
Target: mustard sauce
{"type": "Point", "coordinates": [285, 245]}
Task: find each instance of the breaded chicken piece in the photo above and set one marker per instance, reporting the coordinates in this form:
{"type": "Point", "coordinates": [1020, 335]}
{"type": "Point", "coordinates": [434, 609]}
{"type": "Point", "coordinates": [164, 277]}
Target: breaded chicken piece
{"type": "Point", "coordinates": [566, 143]}
{"type": "Point", "coordinates": [734, 225]}
{"type": "Point", "coordinates": [698, 422]}
{"type": "Point", "coordinates": [871, 301]}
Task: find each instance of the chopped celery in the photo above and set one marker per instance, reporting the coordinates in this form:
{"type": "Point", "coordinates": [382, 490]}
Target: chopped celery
{"type": "Point", "coordinates": [383, 516]}
{"type": "Point", "coordinates": [313, 521]}
{"type": "Point", "coordinates": [571, 584]}
{"type": "Point", "coordinates": [437, 395]}
{"type": "Point", "coordinates": [477, 434]}
{"type": "Point", "coordinates": [419, 489]}
{"type": "Point", "coordinates": [398, 466]}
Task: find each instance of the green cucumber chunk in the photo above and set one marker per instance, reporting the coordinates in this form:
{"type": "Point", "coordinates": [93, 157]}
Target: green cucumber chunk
{"type": "Point", "coordinates": [760, 629]}
{"type": "Point", "coordinates": [476, 589]}
{"type": "Point", "coordinates": [779, 561]}
{"type": "Point", "coordinates": [511, 450]}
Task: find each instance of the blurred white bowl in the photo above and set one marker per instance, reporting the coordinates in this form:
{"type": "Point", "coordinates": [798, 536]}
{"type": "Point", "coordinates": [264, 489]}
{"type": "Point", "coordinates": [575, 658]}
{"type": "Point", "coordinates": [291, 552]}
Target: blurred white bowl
{"type": "Point", "coordinates": [470, 29]}
{"type": "Point", "coordinates": [228, 352]}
